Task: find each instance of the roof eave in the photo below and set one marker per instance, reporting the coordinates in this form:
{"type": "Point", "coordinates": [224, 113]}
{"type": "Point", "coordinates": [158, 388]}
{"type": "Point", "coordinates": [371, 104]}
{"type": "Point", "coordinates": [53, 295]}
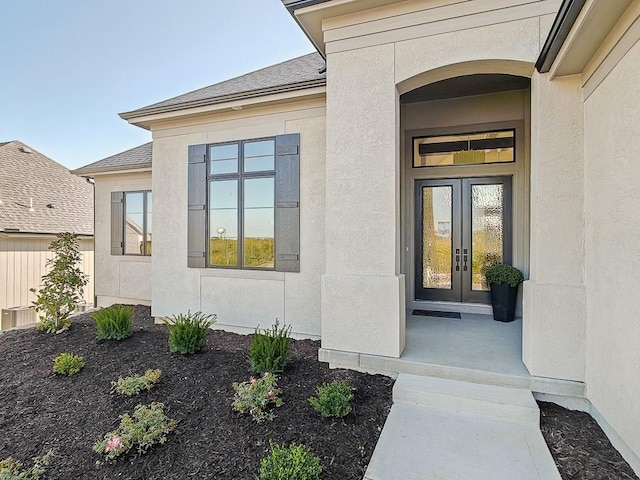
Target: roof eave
{"type": "Point", "coordinates": [221, 100]}
{"type": "Point", "coordinates": [90, 172]}
{"type": "Point", "coordinates": [564, 21]}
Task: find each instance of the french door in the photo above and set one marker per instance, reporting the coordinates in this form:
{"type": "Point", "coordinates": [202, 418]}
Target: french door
{"type": "Point", "coordinates": [463, 226]}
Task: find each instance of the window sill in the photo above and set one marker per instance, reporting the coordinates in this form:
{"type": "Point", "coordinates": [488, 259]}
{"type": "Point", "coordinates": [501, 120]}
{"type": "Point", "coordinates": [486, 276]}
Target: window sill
{"type": "Point", "coordinates": [238, 273]}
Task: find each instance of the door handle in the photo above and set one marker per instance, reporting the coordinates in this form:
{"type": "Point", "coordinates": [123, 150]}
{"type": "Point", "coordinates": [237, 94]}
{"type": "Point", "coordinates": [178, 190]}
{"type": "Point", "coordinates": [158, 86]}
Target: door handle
{"type": "Point", "coordinates": [457, 259]}
{"type": "Point", "coordinates": [464, 259]}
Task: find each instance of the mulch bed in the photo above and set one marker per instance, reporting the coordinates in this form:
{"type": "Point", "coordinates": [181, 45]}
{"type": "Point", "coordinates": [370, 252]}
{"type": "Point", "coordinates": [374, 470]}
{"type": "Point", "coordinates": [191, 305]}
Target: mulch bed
{"type": "Point", "coordinates": [39, 410]}
{"type": "Point", "coordinates": [579, 447]}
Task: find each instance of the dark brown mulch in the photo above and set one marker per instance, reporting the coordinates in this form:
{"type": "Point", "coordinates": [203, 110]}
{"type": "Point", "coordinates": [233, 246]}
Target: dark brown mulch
{"type": "Point", "coordinates": [39, 410]}
{"type": "Point", "coordinates": [579, 447]}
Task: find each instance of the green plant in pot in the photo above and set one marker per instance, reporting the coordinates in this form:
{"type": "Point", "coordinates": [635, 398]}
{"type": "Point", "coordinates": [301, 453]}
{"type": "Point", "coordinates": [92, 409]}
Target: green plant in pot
{"type": "Point", "coordinates": [504, 281]}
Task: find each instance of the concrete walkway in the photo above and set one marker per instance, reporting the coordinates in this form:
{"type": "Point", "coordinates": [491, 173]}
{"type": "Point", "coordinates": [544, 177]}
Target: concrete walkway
{"type": "Point", "coordinates": [441, 429]}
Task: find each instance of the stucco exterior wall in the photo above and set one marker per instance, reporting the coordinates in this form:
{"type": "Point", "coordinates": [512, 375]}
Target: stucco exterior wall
{"type": "Point", "coordinates": [23, 263]}
{"type": "Point", "coordinates": [373, 57]}
{"type": "Point", "coordinates": [241, 299]}
{"type": "Point", "coordinates": [612, 217]}
{"type": "Point", "coordinates": [554, 297]}
{"type": "Point", "coordinates": [119, 278]}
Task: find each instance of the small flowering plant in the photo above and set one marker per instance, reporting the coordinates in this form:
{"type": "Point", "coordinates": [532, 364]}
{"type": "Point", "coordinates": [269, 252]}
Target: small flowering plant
{"type": "Point", "coordinates": [146, 427]}
{"type": "Point", "coordinates": [253, 397]}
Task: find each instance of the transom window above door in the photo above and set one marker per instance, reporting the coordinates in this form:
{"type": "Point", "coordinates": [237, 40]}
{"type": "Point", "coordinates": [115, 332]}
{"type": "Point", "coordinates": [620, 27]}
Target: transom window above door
{"type": "Point", "coordinates": [464, 149]}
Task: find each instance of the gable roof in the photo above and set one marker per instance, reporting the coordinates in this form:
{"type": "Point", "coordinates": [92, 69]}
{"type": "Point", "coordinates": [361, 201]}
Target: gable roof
{"type": "Point", "coordinates": [133, 159]}
{"type": "Point", "coordinates": [28, 174]}
{"type": "Point", "coordinates": [296, 74]}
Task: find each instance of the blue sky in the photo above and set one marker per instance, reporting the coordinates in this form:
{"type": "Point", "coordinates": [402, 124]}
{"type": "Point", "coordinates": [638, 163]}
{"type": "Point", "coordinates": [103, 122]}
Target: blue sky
{"type": "Point", "coordinates": [68, 67]}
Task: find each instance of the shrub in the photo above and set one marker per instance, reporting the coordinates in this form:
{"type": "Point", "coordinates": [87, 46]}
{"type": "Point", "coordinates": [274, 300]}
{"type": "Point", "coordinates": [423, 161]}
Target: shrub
{"type": "Point", "coordinates": [130, 386]}
{"type": "Point", "coordinates": [67, 364]}
{"type": "Point", "coordinates": [188, 333]}
{"type": "Point", "coordinates": [148, 426]}
{"type": "Point", "coordinates": [286, 463]}
{"type": "Point", "coordinates": [333, 399]}
{"type": "Point", "coordinates": [270, 348]}
{"type": "Point", "coordinates": [114, 322]}
{"type": "Point", "coordinates": [11, 469]}
{"type": "Point", "coordinates": [62, 288]}
{"type": "Point", "coordinates": [254, 396]}
{"type": "Point", "coordinates": [500, 274]}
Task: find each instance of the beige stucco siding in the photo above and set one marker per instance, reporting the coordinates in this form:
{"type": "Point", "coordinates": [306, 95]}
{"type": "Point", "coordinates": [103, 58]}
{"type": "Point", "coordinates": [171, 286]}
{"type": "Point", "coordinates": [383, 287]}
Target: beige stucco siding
{"type": "Point", "coordinates": [119, 278]}
{"type": "Point", "coordinates": [241, 299]}
{"type": "Point", "coordinates": [23, 263]}
{"type": "Point", "coordinates": [612, 176]}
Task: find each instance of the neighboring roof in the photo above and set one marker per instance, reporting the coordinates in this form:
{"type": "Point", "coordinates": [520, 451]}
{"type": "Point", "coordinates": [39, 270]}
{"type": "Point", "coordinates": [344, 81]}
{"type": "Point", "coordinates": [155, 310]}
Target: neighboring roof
{"type": "Point", "coordinates": [297, 74]}
{"type": "Point", "coordinates": [567, 15]}
{"type": "Point", "coordinates": [133, 159]}
{"type": "Point", "coordinates": [27, 176]}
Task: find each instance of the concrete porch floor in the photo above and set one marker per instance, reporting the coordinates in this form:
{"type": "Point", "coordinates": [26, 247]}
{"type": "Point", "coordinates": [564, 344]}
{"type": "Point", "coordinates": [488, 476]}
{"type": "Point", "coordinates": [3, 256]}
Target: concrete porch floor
{"type": "Point", "coordinates": [474, 348]}
{"type": "Point", "coordinates": [475, 342]}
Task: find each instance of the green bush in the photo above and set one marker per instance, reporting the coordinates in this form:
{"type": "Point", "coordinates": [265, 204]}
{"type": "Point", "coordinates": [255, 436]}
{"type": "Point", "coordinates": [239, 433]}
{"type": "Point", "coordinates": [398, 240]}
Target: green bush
{"type": "Point", "coordinates": [253, 397]}
{"type": "Point", "coordinates": [269, 349]}
{"type": "Point", "coordinates": [148, 426]}
{"type": "Point", "coordinates": [188, 333]}
{"type": "Point", "coordinates": [333, 399]}
{"type": "Point", "coordinates": [114, 322]}
{"type": "Point", "coordinates": [67, 364]}
{"type": "Point", "coordinates": [130, 386]}
{"type": "Point", "coordinates": [11, 469]}
{"type": "Point", "coordinates": [295, 462]}
{"type": "Point", "coordinates": [500, 274]}
{"type": "Point", "coordinates": [62, 287]}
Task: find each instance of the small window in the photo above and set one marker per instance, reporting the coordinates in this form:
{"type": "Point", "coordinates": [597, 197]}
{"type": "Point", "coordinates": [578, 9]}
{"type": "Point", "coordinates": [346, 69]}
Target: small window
{"type": "Point", "coordinates": [465, 149]}
{"type": "Point", "coordinates": [137, 223]}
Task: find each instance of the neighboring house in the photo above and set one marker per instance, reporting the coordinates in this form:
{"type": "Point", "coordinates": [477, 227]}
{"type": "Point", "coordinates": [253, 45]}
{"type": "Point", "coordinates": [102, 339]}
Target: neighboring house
{"type": "Point", "coordinates": [441, 137]}
{"type": "Point", "coordinates": [39, 198]}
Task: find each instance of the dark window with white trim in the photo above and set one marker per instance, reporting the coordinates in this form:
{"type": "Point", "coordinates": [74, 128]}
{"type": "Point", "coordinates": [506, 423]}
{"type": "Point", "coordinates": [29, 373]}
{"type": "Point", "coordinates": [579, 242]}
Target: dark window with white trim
{"type": "Point", "coordinates": [244, 202]}
{"type": "Point", "coordinates": [131, 224]}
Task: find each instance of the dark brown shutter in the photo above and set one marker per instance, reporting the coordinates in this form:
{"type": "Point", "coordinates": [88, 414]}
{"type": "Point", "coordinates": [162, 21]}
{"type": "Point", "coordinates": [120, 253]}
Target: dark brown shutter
{"type": "Point", "coordinates": [117, 223]}
{"type": "Point", "coordinates": [197, 199]}
{"type": "Point", "coordinates": [288, 203]}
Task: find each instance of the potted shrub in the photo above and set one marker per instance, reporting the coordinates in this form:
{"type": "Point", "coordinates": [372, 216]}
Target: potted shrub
{"type": "Point", "coordinates": [504, 281]}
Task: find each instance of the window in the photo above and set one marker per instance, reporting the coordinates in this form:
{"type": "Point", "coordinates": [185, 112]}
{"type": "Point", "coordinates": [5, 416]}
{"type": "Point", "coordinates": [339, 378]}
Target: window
{"type": "Point", "coordinates": [465, 149]}
{"type": "Point", "coordinates": [131, 223]}
{"type": "Point", "coordinates": [244, 204]}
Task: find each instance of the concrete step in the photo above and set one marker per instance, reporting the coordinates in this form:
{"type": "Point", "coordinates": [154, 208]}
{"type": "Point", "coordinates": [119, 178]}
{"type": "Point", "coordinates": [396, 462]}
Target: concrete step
{"type": "Point", "coordinates": [505, 404]}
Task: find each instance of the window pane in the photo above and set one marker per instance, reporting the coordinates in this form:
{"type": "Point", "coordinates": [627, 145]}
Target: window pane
{"type": "Point", "coordinates": [223, 223]}
{"type": "Point", "coordinates": [149, 224]}
{"type": "Point", "coordinates": [224, 159]}
{"type": "Point", "coordinates": [436, 237]}
{"type": "Point", "coordinates": [259, 156]}
{"type": "Point", "coordinates": [468, 149]}
{"type": "Point", "coordinates": [488, 221]}
{"type": "Point", "coordinates": [259, 222]}
{"type": "Point", "coordinates": [134, 223]}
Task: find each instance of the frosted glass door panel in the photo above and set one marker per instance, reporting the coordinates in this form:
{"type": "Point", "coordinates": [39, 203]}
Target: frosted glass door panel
{"type": "Point", "coordinates": [436, 237]}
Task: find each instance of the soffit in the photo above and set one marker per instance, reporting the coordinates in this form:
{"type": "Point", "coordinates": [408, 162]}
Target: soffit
{"type": "Point", "coordinates": [595, 21]}
{"type": "Point", "coordinates": [465, 86]}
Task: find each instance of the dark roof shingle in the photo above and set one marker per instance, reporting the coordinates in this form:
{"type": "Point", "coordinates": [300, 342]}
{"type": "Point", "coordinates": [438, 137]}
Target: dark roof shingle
{"type": "Point", "coordinates": [62, 202]}
{"type": "Point", "coordinates": [301, 70]}
{"type": "Point", "coordinates": [134, 158]}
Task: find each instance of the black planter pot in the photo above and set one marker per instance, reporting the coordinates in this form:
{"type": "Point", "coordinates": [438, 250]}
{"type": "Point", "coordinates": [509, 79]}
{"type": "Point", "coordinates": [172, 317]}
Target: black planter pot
{"type": "Point", "coordinates": [503, 301]}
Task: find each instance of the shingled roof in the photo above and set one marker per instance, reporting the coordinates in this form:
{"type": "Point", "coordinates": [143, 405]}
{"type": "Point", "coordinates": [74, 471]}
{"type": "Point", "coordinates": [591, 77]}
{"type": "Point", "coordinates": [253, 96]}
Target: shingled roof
{"type": "Point", "coordinates": [132, 159]}
{"type": "Point", "coordinates": [62, 202]}
{"type": "Point", "coordinates": [297, 74]}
